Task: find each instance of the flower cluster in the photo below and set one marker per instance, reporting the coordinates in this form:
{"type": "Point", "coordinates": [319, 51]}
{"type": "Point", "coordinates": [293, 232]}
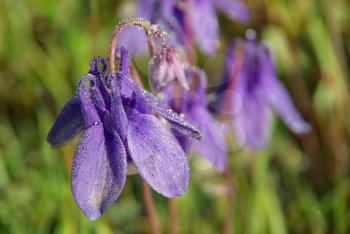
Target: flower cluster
{"type": "Point", "coordinates": [123, 125]}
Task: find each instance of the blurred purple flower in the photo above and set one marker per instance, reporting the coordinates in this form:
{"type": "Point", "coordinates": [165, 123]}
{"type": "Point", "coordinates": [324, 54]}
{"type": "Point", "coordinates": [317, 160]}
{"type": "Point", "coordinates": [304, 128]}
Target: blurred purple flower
{"type": "Point", "coordinates": [188, 19]}
{"type": "Point", "coordinates": [193, 105]}
{"type": "Point", "coordinates": [118, 126]}
{"type": "Point", "coordinates": [250, 90]}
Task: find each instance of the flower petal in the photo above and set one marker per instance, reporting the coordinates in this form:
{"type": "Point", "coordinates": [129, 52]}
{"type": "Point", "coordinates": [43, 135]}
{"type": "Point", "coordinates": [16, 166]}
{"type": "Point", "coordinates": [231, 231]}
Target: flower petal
{"type": "Point", "coordinates": [158, 72]}
{"type": "Point", "coordinates": [279, 97]}
{"type": "Point", "coordinates": [252, 122]}
{"type": "Point", "coordinates": [183, 140]}
{"type": "Point", "coordinates": [118, 115]}
{"type": "Point", "coordinates": [99, 164]}
{"type": "Point", "coordinates": [157, 155]}
{"type": "Point", "coordinates": [204, 24]}
{"type": "Point", "coordinates": [98, 171]}
{"type": "Point", "coordinates": [234, 9]}
{"type": "Point", "coordinates": [213, 145]}
{"type": "Point", "coordinates": [86, 91]}
{"type": "Point", "coordinates": [68, 123]}
{"type": "Point", "coordinates": [178, 122]}
{"type": "Point", "coordinates": [180, 72]}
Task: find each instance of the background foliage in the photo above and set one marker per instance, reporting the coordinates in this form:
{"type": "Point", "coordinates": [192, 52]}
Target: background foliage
{"type": "Point", "coordinates": [297, 185]}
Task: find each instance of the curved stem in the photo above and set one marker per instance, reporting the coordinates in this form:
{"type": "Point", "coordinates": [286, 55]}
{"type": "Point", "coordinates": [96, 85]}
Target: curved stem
{"type": "Point", "coordinates": [150, 29]}
{"type": "Point", "coordinates": [150, 208]}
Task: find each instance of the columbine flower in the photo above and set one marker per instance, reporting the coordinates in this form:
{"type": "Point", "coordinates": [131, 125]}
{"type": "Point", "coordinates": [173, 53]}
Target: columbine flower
{"type": "Point", "coordinates": [192, 104]}
{"type": "Point", "coordinates": [118, 126]}
{"type": "Point", "coordinates": [194, 18]}
{"type": "Point", "coordinates": [204, 23]}
{"type": "Point", "coordinates": [165, 67]}
{"type": "Point", "coordinates": [251, 89]}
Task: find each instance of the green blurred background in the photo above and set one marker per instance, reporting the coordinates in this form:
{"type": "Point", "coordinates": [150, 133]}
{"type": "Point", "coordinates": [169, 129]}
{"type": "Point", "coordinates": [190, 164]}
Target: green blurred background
{"type": "Point", "coordinates": [298, 184]}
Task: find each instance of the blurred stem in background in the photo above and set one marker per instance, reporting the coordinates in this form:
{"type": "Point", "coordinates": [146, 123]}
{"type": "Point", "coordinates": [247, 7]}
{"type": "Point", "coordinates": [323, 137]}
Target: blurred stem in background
{"type": "Point", "coordinates": [150, 208]}
{"type": "Point", "coordinates": [173, 217]}
{"type": "Point", "coordinates": [229, 193]}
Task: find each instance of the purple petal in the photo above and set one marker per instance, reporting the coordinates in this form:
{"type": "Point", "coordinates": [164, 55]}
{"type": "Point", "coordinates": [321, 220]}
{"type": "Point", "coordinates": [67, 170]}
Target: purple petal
{"type": "Point", "coordinates": [198, 94]}
{"type": "Point", "coordinates": [86, 90]}
{"type": "Point", "coordinates": [178, 122]}
{"type": "Point", "coordinates": [213, 144]}
{"type": "Point", "coordinates": [252, 110]}
{"type": "Point", "coordinates": [157, 155]}
{"type": "Point", "coordinates": [183, 140]}
{"type": "Point", "coordinates": [68, 124]}
{"type": "Point", "coordinates": [234, 9]}
{"type": "Point", "coordinates": [98, 171]}
{"type": "Point", "coordinates": [252, 121]}
{"type": "Point", "coordinates": [279, 97]}
{"type": "Point", "coordinates": [158, 72]}
{"type": "Point", "coordinates": [124, 61]}
{"type": "Point", "coordinates": [180, 72]}
{"type": "Point", "coordinates": [99, 164]}
{"type": "Point", "coordinates": [204, 24]}
{"type": "Point", "coordinates": [118, 115]}
{"type": "Point", "coordinates": [94, 68]}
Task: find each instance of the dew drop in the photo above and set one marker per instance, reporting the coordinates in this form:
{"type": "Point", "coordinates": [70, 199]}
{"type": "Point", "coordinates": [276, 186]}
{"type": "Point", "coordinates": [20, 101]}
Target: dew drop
{"type": "Point", "coordinates": [96, 123]}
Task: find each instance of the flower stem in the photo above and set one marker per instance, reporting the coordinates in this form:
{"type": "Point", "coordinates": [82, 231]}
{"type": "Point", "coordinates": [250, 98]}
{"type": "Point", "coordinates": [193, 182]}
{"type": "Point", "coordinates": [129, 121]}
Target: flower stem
{"type": "Point", "coordinates": [150, 208]}
{"type": "Point", "coordinates": [188, 32]}
{"type": "Point", "coordinates": [227, 225]}
{"type": "Point", "coordinates": [150, 29]}
{"type": "Point", "coordinates": [173, 227]}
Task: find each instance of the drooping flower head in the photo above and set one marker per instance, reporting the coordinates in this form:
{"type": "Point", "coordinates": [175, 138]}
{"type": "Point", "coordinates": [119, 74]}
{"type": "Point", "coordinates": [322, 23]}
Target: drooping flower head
{"type": "Point", "coordinates": [251, 90]}
{"type": "Point", "coordinates": [190, 20]}
{"type": "Point", "coordinates": [165, 67]}
{"type": "Point", "coordinates": [118, 126]}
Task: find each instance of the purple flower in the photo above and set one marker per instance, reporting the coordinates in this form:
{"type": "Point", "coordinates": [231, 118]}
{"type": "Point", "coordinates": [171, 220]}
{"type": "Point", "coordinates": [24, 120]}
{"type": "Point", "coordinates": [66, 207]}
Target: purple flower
{"type": "Point", "coordinates": [250, 90]}
{"type": "Point", "coordinates": [118, 126]}
{"type": "Point", "coordinates": [192, 104]}
{"type": "Point", "coordinates": [194, 18]}
{"type": "Point", "coordinates": [165, 67]}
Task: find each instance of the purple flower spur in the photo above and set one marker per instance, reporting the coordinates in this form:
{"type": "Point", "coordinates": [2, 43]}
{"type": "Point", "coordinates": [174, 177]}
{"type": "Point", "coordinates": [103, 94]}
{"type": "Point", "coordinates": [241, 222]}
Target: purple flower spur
{"type": "Point", "coordinates": [249, 91]}
{"type": "Point", "coordinates": [118, 125]}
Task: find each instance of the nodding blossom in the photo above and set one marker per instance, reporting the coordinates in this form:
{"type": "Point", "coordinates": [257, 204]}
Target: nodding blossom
{"type": "Point", "coordinates": [118, 125]}
{"type": "Point", "coordinates": [251, 90]}
{"type": "Point", "coordinates": [189, 20]}
{"type": "Point", "coordinates": [165, 67]}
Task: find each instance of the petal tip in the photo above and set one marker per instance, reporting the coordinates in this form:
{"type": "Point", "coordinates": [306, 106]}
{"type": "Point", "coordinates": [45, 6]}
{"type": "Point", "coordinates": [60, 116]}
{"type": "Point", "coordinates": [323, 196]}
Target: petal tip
{"type": "Point", "coordinates": [300, 128]}
{"type": "Point", "coordinates": [93, 215]}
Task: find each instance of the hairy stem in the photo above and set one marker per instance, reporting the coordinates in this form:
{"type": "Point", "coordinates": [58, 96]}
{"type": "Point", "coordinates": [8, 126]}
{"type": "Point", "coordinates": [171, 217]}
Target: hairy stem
{"type": "Point", "coordinates": [150, 29]}
{"type": "Point", "coordinates": [150, 208]}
